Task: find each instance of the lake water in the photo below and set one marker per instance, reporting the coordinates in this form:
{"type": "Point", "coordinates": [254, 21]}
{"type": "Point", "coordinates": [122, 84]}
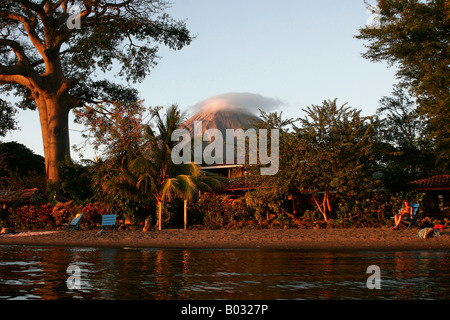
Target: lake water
{"type": "Point", "coordinates": [110, 274]}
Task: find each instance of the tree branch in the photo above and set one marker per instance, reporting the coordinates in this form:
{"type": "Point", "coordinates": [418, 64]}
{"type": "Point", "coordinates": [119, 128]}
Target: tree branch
{"type": "Point", "coordinates": [23, 67]}
{"type": "Point", "coordinates": [12, 75]}
{"type": "Point", "coordinates": [29, 28]}
{"type": "Point", "coordinates": [12, 70]}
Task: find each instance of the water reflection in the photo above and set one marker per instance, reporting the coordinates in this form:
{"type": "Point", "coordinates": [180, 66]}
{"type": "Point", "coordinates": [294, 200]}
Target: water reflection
{"type": "Point", "coordinates": [111, 273]}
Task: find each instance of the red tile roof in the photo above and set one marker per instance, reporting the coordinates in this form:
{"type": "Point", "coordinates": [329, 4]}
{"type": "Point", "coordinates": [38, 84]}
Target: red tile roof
{"type": "Point", "coordinates": [437, 182]}
{"type": "Point", "coordinates": [238, 184]}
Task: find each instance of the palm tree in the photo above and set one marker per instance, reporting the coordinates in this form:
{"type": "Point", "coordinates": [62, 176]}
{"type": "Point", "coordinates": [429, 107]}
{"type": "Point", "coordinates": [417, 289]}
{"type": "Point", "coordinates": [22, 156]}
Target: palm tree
{"type": "Point", "coordinates": [157, 175]}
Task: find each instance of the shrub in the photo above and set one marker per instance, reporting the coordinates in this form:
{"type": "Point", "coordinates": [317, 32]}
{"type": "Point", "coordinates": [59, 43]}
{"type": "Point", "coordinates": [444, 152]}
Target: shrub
{"type": "Point", "coordinates": [64, 212]}
{"type": "Point", "coordinates": [93, 214]}
{"type": "Point", "coordinates": [55, 216]}
{"type": "Point", "coordinates": [219, 211]}
{"type": "Point", "coordinates": [374, 208]}
{"type": "Point", "coordinates": [33, 217]}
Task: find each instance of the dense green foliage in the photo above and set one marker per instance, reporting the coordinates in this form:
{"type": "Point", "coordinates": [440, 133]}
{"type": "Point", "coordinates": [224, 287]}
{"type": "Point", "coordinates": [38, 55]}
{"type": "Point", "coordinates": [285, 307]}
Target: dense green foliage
{"type": "Point", "coordinates": [330, 150]}
{"type": "Point", "coordinates": [340, 166]}
{"type": "Point", "coordinates": [7, 120]}
{"type": "Point", "coordinates": [403, 149]}
{"type": "Point", "coordinates": [20, 168]}
{"type": "Point", "coordinates": [413, 35]}
{"type": "Point", "coordinates": [334, 147]}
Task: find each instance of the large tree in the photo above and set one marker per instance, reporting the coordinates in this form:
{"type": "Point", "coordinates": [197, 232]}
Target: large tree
{"type": "Point", "coordinates": [50, 50]}
{"type": "Point", "coordinates": [403, 150]}
{"type": "Point", "coordinates": [413, 35]}
{"type": "Point", "coordinates": [328, 150]}
{"type": "Point", "coordinates": [333, 153]}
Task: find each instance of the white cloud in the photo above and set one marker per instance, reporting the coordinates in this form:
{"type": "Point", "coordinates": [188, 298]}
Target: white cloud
{"type": "Point", "coordinates": [239, 101]}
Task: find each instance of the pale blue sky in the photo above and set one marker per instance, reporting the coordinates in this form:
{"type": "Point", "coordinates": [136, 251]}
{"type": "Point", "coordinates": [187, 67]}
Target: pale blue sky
{"type": "Point", "coordinates": [297, 51]}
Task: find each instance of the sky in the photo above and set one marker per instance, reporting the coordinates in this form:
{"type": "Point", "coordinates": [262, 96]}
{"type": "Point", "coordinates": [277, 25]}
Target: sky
{"type": "Point", "coordinates": [290, 54]}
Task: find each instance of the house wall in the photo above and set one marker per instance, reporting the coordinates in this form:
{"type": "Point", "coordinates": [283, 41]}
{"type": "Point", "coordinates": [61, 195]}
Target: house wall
{"type": "Point", "coordinates": [229, 173]}
{"type": "Point", "coordinates": [437, 201]}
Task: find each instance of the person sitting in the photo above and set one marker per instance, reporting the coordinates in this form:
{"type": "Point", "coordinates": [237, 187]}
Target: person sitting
{"type": "Point", "coordinates": [405, 212]}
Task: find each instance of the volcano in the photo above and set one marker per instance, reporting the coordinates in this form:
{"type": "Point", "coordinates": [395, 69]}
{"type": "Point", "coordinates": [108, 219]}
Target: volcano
{"type": "Point", "coordinates": [225, 113]}
{"type": "Point", "coordinates": [221, 120]}
{"type": "Point", "coordinates": [233, 110]}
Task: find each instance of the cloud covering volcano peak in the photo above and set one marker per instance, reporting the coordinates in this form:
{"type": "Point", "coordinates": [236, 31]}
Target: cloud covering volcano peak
{"type": "Point", "coordinates": [238, 101]}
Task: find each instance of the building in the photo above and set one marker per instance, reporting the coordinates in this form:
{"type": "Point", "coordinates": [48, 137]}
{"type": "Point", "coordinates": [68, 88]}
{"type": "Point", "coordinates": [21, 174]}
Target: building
{"type": "Point", "coordinates": [437, 189]}
{"type": "Point", "coordinates": [229, 171]}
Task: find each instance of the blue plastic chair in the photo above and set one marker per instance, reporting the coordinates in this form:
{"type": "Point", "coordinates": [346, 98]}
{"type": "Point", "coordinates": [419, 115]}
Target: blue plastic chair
{"type": "Point", "coordinates": [108, 221]}
{"type": "Point", "coordinates": [74, 224]}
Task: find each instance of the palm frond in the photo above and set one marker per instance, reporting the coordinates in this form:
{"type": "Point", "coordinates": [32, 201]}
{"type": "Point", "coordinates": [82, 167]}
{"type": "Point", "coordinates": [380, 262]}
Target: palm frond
{"type": "Point", "coordinates": [171, 189]}
{"type": "Point", "coordinates": [141, 165]}
{"type": "Point", "coordinates": [210, 183]}
{"type": "Point", "coordinates": [187, 186]}
{"type": "Point", "coordinates": [191, 169]}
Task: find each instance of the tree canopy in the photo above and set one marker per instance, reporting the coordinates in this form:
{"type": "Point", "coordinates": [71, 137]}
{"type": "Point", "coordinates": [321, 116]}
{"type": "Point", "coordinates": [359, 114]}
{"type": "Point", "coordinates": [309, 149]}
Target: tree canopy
{"type": "Point", "coordinates": [413, 35]}
{"type": "Point", "coordinates": [20, 167]}
{"type": "Point", "coordinates": [50, 51]}
{"type": "Point", "coordinates": [334, 151]}
{"type": "Point", "coordinates": [327, 150]}
{"type": "Point", "coordinates": [7, 120]}
{"type": "Point", "coordinates": [403, 150]}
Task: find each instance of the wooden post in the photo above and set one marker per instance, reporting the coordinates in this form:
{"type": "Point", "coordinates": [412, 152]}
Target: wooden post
{"type": "Point", "coordinates": [185, 214]}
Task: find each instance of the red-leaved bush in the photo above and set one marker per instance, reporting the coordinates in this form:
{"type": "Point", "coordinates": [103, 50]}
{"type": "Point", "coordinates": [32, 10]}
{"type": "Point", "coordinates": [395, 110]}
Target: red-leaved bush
{"type": "Point", "coordinates": [58, 216]}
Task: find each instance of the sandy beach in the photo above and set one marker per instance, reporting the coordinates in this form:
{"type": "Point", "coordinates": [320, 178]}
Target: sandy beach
{"type": "Point", "coordinates": [370, 239]}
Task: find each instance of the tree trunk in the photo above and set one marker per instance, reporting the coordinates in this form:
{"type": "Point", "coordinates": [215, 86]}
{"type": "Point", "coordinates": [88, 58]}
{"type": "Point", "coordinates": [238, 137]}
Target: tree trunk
{"type": "Point", "coordinates": [147, 224]}
{"type": "Point", "coordinates": [54, 119]}
{"type": "Point", "coordinates": [294, 207]}
{"type": "Point", "coordinates": [327, 194]}
{"type": "Point", "coordinates": [324, 209]}
{"type": "Point", "coordinates": [159, 214]}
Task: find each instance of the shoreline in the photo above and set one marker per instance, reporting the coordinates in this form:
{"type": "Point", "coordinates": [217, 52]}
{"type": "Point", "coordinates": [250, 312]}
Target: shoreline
{"type": "Point", "coordinates": [364, 239]}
